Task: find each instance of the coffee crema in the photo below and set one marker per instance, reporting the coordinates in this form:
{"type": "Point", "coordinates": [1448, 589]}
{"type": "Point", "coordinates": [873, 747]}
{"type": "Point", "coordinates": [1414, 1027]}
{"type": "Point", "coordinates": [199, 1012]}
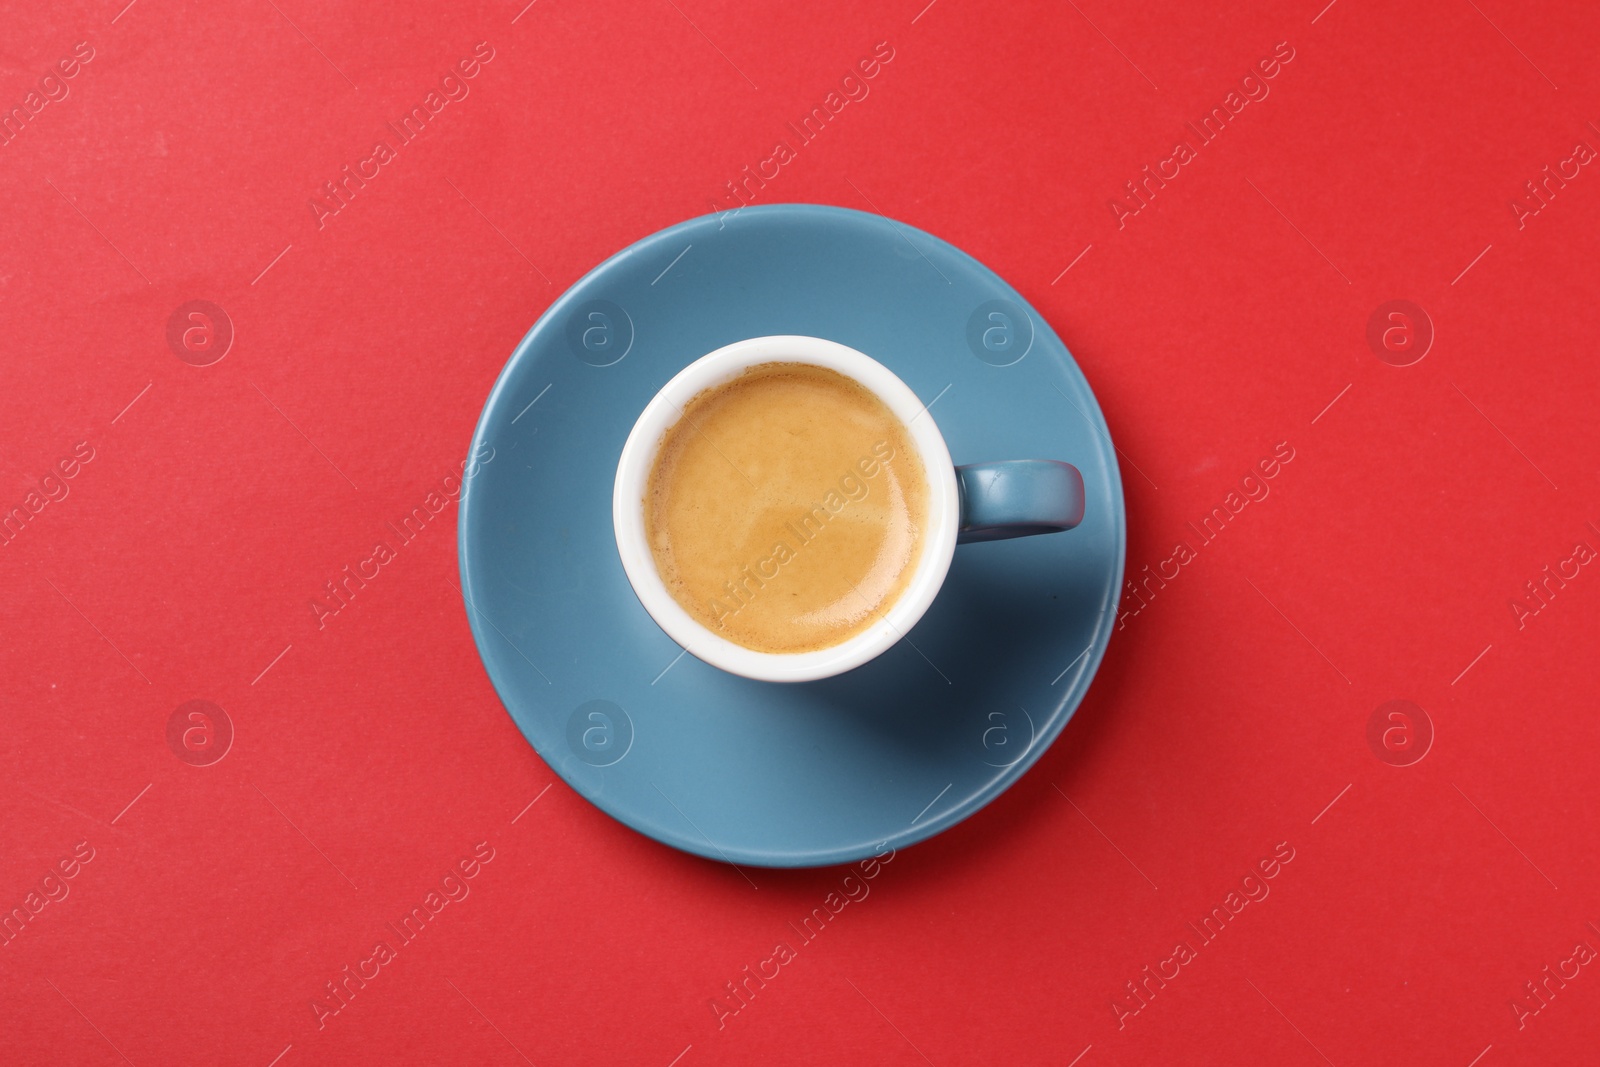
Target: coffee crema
{"type": "Point", "coordinates": [786, 508]}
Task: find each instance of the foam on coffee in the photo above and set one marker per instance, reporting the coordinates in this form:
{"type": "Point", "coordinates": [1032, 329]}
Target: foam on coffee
{"type": "Point", "coordinates": [786, 509]}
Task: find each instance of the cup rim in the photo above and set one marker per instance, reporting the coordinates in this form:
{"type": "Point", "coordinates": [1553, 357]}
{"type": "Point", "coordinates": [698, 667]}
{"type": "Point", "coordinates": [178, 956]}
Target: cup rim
{"type": "Point", "coordinates": [643, 444]}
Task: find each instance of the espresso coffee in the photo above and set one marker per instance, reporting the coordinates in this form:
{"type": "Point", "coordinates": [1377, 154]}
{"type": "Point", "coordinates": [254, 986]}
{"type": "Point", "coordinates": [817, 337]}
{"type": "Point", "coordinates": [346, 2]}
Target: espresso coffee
{"type": "Point", "coordinates": [787, 508]}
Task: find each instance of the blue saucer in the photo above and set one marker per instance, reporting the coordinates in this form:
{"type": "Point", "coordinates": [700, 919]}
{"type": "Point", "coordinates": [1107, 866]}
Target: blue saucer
{"type": "Point", "coordinates": [758, 773]}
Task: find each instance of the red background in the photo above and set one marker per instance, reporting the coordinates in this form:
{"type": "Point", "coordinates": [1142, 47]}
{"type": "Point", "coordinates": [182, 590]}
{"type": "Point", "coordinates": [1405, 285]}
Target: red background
{"type": "Point", "coordinates": [372, 754]}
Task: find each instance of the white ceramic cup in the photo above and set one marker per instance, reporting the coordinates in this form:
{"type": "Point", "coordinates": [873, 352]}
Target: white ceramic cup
{"type": "Point", "coordinates": [638, 457]}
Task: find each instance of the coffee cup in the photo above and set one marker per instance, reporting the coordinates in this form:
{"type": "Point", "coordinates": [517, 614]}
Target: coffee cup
{"type": "Point", "coordinates": [944, 505]}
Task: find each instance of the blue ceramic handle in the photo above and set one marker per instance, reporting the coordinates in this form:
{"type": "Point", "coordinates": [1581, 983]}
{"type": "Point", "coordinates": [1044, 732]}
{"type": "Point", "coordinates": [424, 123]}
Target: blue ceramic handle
{"type": "Point", "coordinates": [1018, 497]}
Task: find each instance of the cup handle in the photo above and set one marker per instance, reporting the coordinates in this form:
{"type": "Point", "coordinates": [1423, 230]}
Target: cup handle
{"type": "Point", "coordinates": [1018, 497]}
